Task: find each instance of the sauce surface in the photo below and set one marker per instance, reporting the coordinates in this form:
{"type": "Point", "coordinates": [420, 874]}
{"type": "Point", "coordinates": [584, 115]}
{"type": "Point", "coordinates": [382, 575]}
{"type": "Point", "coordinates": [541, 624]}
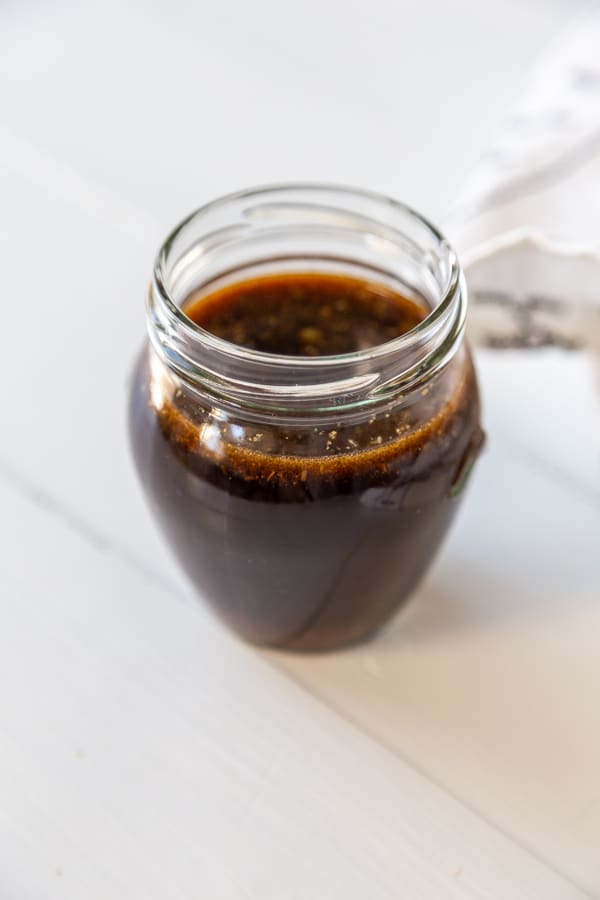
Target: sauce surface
{"type": "Point", "coordinates": [305, 314]}
{"type": "Point", "coordinates": [314, 314]}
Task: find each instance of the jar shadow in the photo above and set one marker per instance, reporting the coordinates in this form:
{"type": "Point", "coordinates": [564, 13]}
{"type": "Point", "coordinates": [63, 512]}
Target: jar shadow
{"type": "Point", "coordinates": [459, 597]}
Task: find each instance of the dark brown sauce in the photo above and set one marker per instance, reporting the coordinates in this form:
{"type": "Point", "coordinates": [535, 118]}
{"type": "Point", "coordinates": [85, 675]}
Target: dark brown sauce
{"type": "Point", "coordinates": [306, 537]}
{"type": "Point", "coordinates": [305, 314]}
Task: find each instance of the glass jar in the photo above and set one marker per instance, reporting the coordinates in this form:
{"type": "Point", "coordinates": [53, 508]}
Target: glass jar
{"type": "Point", "coordinates": [305, 496]}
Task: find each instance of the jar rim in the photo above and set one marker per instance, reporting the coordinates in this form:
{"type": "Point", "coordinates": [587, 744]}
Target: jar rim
{"type": "Point", "coordinates": [436, 336]}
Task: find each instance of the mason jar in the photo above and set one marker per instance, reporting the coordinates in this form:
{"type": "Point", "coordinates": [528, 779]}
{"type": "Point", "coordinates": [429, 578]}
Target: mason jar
{"type": "Point", "coordinates": [305, 496]}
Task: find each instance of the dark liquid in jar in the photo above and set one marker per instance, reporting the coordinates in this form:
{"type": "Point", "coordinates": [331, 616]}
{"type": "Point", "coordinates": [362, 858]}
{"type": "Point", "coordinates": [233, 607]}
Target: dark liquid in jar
{"type": "Point", "coordinates": [306, 538]}
{"type": "Point", "coordinates": [306, 315]}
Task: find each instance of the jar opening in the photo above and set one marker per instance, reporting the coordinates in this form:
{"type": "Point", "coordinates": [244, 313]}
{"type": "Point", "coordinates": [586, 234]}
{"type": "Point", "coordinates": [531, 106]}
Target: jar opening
{"type": "Point", "coordinates": [305, 275]}
{"type": "Point", "coordinates": [306, 228]}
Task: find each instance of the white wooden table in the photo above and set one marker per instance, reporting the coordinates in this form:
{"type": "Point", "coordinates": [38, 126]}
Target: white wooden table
{"type": "Point", "coordinates": [144, 753]}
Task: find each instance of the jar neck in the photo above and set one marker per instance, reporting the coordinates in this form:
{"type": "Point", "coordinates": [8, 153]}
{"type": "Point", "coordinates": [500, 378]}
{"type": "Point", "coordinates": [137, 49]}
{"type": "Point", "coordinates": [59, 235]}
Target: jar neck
{"type": "Point", "coordinates": [306, 228]}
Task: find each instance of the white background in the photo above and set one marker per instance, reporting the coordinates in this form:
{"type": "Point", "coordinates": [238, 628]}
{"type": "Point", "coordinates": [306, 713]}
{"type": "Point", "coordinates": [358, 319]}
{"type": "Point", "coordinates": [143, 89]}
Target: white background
{"type": "Point", "coordinates": [144, 753]}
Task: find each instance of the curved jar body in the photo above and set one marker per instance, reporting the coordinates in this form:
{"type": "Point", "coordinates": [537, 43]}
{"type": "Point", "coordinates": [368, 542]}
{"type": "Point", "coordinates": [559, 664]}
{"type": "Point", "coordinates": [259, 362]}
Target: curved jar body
{"type": "Point", "coordinates": [305, 496]}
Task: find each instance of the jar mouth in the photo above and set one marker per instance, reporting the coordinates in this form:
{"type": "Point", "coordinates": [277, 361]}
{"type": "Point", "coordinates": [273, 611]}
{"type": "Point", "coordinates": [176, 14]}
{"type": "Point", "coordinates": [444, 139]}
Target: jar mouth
{"type": "Point", "coordinates": [315, 226]}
